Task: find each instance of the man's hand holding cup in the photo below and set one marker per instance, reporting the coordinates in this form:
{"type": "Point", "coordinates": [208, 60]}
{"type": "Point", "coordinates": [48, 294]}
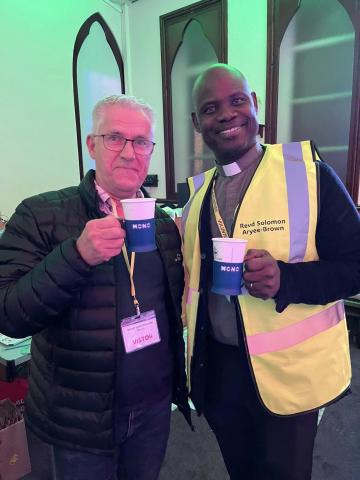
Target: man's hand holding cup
{"type": "Point", "coordinates": [262, 274]}
{"type": "Point", "coordinates": [101, 240]}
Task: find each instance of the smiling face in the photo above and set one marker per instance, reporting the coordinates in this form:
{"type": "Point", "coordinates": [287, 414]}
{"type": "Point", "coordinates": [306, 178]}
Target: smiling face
{"type": "Point", "coordinates": [225, 113]}
{"type": "Point", "coordinates": [120, 173]}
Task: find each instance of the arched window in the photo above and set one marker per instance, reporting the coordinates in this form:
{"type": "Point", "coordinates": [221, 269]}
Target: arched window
{"type": "Point", "coordinates": [98, 71]}
{"type": "Point", "coordinates": [191, 156]}
{"type": "Point", "coordinates": [191, 39]}
{"type": "Point", "coordinates": [313, 85]}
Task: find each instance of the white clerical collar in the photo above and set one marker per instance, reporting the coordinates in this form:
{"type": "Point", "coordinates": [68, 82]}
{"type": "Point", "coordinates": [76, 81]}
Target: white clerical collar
{"type": "Point", "coordinates": [243, 162]}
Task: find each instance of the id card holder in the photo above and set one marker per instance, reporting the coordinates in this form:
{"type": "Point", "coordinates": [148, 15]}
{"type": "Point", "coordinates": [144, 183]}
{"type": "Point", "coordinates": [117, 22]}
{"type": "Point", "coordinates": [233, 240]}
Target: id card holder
{"type": "Point", "coordinates": [140, 331]}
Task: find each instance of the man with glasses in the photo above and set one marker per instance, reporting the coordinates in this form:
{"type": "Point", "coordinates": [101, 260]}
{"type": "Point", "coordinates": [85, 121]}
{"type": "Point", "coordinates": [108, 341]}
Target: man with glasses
{"type": "Point", "coordinates": [64, 280]}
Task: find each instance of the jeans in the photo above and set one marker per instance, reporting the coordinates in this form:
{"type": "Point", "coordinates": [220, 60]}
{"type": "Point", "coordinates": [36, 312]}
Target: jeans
{"type": "Point", "coordinates": [142, 437]}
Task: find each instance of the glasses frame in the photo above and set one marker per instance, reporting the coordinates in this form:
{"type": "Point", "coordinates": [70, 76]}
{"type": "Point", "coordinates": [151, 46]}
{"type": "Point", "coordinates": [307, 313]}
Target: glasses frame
{"type": "Point", "coordinates": [131, 140]}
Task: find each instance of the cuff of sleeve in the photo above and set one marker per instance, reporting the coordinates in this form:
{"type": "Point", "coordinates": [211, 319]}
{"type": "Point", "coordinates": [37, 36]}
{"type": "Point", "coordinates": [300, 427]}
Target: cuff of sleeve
{"type": "Point", "coordinates": [72, 256]}
{"type": "Point", "coordinates": [282, 299]}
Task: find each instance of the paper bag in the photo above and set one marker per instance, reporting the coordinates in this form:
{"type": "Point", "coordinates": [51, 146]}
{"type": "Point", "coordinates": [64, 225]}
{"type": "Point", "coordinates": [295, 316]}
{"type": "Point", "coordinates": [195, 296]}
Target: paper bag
{"type": "Point", "coordinates": [14, 453]}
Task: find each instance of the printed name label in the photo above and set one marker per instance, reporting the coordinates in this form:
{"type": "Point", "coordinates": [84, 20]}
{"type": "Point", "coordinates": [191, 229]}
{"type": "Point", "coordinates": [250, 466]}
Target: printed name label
{"type": "Point", "coordinates": [140, 331]}
{"type": "Point", "coordinates": [260, 226]}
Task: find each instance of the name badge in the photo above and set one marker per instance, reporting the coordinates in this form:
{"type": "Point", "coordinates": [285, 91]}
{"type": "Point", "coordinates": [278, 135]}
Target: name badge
{"type": "Point", "coordinates": [140, 331]}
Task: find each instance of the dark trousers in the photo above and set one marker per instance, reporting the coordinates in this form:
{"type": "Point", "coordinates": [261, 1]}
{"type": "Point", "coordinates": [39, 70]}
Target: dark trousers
{"type": "Point", "coordinates": [255, 444]}
{"type": "Point", "coordinates": [142, 439]}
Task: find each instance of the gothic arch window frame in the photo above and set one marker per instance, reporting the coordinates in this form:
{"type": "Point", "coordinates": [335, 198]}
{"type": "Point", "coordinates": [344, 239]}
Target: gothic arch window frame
{"type": "Point", "coordinates": [80, 39]}
{"type": "Point", "coordinates": [171, 41]}
{"type": "Point", "coordinates": [278, 18]}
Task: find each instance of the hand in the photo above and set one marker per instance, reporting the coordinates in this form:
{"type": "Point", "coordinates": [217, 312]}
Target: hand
{"type": "Point", "coordinates": [100, 240]}
{"type": "Point", "coordinates": [262, 274]}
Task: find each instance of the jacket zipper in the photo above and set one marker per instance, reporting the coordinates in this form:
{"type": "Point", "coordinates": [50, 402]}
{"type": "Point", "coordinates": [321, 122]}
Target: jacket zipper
{"type": "Point", "coordinates": [116, 352]}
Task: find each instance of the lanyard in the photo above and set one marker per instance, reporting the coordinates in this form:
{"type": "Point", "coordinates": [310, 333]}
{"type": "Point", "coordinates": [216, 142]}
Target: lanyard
{"type": "Point", "coordinates": [218, 218]}
{"type": "Point", "coordinates": [130, 265]}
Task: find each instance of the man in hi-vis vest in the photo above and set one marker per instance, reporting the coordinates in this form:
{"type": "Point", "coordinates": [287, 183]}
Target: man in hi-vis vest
{"type": "Point", "coordinates": [262, 364]}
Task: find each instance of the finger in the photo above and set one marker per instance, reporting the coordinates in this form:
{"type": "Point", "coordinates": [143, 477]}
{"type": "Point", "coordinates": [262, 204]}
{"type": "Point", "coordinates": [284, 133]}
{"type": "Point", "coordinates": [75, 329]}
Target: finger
{"type": "Point", "coordinates": [112, 234]}
{"type": "Point", "coordinates": [254, 253]}
{"type": "Point", "coordinates": [109, 255]}
{"type": "Point", "coordinates": [111, 245]}
{"type": "Point", "coordinates": [258, 290]}
{"type": "Point", "coordinates": [258, 274]}
{"type": "Point", "coordinates": [254, 278]}
{"type": "Point", "coordinates": [261, 276]}
{"type": "Point", "coordinates": [264, 286]}
{"type": "Point", "coordinates": [255, 264]}
{"type": "Point", "coordinates": [106, 222]}
{"type": "Point", "coordinates": [111, 252]}
{"type": "Point", "coordinates": [260, 263]}
{"type": "Point", "coordinates": [103, 246]}
{"type": "Point", "coordinates": [106, 247]}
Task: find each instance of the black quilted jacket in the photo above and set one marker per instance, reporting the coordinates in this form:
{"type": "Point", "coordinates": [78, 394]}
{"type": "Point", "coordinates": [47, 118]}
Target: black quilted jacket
{"type": "Point", "coordinates": [48, 291]}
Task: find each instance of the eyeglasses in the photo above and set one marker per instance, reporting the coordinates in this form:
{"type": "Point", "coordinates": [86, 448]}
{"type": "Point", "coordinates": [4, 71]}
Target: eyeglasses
{"type": "Point", "coordinates": [116, 143]}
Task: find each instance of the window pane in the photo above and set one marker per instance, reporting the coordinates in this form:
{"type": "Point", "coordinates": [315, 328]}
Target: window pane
{"type": "Point", "coordinates": [98, 76]}
{"type": "Point", "coordinates": [315, 80]}
{"type": "Point", "coordinates": [191, 156]}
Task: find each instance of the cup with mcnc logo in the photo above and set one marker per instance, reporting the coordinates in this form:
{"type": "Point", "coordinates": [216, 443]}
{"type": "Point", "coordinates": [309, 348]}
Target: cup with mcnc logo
{"type": "Point", "coordinates": [139, 224]}
{"type": "Point", "coordinates": [229, 255]}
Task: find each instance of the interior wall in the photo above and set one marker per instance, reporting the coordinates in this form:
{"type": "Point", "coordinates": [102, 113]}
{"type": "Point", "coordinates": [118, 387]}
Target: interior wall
{"type": "Point", "coordinates": [247, 40]}
{"type": "Point", "coordinates": [144, 62]}
{"type": "Point", "coordinates": [246, 51]}
{"type": "Point", "coordinates": [38, 144]}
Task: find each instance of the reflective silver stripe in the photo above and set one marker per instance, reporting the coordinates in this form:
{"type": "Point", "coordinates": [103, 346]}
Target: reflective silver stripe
{"type": "Point", "coordinates": [298, 200]}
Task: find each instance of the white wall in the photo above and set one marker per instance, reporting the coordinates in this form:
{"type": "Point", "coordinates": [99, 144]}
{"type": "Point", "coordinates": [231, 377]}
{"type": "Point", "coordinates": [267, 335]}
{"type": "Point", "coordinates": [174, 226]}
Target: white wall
{"type": "Point", "coordinates": [144, 61]}
{"type": "Point", "coordinates": [38, 145]}
{"type": "Point", "coordinates": [247, 30]}
{"type": "Point", "coordinates": [246, 51]}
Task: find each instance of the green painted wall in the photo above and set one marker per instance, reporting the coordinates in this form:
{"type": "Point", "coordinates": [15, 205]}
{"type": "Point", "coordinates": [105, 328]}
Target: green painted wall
{"type": "Point", "coordinates": [38, 146]}
{"type": "Point", "coordinates": [247, 43]}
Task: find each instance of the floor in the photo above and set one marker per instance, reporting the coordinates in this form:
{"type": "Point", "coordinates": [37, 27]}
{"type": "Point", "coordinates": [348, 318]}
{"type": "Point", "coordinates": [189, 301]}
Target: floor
{"type": "Point", "coordinates": [195, 456]}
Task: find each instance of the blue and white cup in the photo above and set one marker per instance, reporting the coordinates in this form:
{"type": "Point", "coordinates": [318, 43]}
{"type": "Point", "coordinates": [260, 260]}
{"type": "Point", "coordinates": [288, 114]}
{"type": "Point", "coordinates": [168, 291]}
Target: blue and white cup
{"type": "Point", "coordinates": [229, 255]}
{"type": "Point", "coordinates": [139, 224]}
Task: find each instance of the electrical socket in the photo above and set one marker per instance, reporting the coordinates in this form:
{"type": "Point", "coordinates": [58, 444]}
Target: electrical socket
{"type": "Point", "coordinates": [151, 180]}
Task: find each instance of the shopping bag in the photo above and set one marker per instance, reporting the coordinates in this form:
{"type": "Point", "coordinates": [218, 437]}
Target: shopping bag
{"type": "Point", "coordinates": [15, 391]}
{"type": "Point", "coordinates": [14, 452]}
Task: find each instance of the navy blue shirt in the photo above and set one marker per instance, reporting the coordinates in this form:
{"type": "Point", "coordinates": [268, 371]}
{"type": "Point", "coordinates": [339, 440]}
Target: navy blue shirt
{"type": "Point", "coordinates": [143, 376]}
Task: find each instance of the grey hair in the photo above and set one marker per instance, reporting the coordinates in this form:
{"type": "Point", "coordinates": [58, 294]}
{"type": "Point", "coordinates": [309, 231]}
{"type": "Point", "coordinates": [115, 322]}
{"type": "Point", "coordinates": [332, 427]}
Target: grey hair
{"type": "Point", "coordinates": [121, 100]}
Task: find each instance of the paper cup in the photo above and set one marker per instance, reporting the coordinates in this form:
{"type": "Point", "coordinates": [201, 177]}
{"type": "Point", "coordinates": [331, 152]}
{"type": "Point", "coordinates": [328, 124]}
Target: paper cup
{"type": "Point", "coordinates": [139, 224]}
{"type": "Point", "coordinates": [228, 265]}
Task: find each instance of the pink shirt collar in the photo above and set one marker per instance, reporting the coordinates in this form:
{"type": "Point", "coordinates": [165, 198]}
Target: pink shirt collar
{"type": "Point", "coordinates": [105, 199]}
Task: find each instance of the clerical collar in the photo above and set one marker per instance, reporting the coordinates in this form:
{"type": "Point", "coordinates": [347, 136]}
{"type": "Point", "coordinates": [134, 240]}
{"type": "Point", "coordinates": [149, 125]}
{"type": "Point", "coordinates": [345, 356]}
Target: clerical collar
{"type": "Point", "coordinates": [242, 163]}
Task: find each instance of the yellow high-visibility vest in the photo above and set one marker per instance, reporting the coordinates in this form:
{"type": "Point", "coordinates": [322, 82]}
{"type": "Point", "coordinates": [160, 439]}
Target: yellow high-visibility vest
{"type": "Point", "coordinates": [300, 357]}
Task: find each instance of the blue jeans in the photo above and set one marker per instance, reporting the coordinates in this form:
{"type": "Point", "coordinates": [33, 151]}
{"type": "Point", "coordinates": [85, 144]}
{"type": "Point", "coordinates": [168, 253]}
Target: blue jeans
{"type": "Point", "coordinates": [141, 436]}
